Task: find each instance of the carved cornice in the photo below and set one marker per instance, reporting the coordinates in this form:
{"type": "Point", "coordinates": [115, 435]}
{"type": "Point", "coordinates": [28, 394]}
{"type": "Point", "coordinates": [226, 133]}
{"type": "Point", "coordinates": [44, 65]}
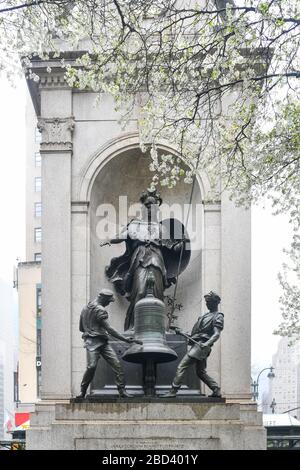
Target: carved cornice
{"type": "Point", "coordinates": [56, 134]}
{"type": "Point", "coordinates": [53, 80]}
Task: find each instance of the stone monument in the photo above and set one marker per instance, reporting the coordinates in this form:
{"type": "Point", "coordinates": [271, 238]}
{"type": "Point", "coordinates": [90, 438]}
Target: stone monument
{"type": "Point", "coordinates": [88, 161]}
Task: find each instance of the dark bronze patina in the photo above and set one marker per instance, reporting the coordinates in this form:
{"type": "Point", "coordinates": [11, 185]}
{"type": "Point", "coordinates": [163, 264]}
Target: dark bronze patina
{"type": "Point", "coordinates": [156, 253]}
{"type": "Point", "coordinates": [96, 330]}
{"type": "Point", "coordinates": [150, 325]}
{"type": "Point", "coordinates": [205, 333]}
{"type": "Point", "coordinates": [153, 249]}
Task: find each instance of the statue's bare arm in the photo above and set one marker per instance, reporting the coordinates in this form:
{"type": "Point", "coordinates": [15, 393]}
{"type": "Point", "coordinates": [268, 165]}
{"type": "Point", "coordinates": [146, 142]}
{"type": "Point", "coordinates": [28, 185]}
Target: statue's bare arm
{"type": "Point", "coordinates": [213, 338]}
{"type": "Point", "coordinates": [111, 331]}
{"type": "Point", "coordinates": [119, 238]}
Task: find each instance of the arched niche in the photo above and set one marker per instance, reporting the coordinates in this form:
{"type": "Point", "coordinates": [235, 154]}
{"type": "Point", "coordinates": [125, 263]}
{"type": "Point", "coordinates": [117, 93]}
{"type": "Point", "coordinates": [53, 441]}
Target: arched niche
{"type": "Point", "coordinates": [127, 174]}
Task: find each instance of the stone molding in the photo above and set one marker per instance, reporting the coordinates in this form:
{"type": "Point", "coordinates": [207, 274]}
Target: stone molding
{"type": "Point", "coordinates": [56, 134]}
{"type": "Point", "coordinates": [79, 207]}
{"type": "Point", "coordinates": [53, 80]}
{"type": "Point", "coordinates": [163, 426]}
{"type": "Point", "coordinates": [212, 206]}
{"type": "Point", "coordinates": [116, 146]}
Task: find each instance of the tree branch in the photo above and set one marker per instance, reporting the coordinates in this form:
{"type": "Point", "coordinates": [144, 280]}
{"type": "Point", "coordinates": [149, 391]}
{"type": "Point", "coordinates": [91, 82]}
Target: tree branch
{"type": "Point", "coordinates": [295, 74]}
{"type": "Point", "coordinates": [124, 23]}
{"type": "Point", "coordinates": [32, 4]}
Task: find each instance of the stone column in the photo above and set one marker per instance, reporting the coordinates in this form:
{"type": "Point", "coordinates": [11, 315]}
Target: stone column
{"type": "Point", "coordinates": [212, 272]}
{"type": "Point", "coordinates": [56, 150]}
{"type": "Point", "coordinates": [80, 286]}
{"type": "Point", "coordinates": [236, 300]}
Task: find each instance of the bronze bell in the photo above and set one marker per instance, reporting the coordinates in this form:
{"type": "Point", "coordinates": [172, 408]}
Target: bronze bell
{"type": "Point", "coordinates": [150, 328]}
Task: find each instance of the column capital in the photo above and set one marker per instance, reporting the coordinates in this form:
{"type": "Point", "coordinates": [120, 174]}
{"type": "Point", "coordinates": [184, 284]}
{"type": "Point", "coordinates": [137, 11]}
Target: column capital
{"type": "Point", "coordinates": [56, 134]}
{"type": "Point", "coordinates": [211, 206]}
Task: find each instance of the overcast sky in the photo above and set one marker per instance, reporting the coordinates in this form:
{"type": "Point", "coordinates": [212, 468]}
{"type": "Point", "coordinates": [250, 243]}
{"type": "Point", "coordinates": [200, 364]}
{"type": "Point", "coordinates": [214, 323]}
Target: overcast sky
{"type": "Point", "coordinates": [12, 176]}
{"type": "Point", "coordinates": [269, 234]}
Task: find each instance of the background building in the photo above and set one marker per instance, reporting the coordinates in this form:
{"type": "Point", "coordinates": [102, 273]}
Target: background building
{"type": "Point", "coordinates": [8, 357]}
{"type": "Point", "coordinates": [283, 431]}
{"type": "Point", "coordinates": [29, 331]}
{"type": "Point", "coordinates": [33, 186]}
{"type": "Point", "coordinates": [1, 390]}
{"type": "Point", "coordinates": [28, 274]}
{"type": "Point", "coordinates": [285, 387]}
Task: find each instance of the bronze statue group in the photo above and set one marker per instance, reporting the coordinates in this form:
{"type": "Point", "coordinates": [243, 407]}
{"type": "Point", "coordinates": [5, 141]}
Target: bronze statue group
{"type": "Point", "coordinates": [151, 251]}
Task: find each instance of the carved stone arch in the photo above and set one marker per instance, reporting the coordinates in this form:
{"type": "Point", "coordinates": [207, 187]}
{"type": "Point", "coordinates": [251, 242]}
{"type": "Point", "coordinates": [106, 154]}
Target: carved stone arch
{"type": "Point", "coordinates": [118, 146]}
{"type": "Point", "coordinates": [100, 179]}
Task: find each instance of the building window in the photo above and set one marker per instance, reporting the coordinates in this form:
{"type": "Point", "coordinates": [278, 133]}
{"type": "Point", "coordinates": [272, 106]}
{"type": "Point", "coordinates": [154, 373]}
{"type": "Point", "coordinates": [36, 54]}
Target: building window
{"type": "Point", "coordinates": [38, 338]}
{"type": "Point", "coordinates": [38, 184]}
{"type": "Point", "coordinates": [16, 387]}
{"type": "Point", "coordinates": [38, 235]}
{"type": "Point", "coordinates": [38, 345]}
{"type": "Point", "coordinates": [38, 159]}
{"type": "Point", "coordinates": [38, 209]}
{"type": "Point", "coordinates": [39, 382]}
{"type": "Point", "coordinates": [38, 300]}
{"type": "Point", "coordinates": [38, 135]}
{"type": "Point", "coordinates": [37, 256]}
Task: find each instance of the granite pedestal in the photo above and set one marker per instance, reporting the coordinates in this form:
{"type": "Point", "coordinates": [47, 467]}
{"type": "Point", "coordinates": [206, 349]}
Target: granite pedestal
{"type": "Point", "coordinates": [157, 424]}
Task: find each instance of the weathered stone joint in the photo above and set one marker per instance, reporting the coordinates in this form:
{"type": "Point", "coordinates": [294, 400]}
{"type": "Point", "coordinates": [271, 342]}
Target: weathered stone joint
{"type": "Point", "coordinates": [79, 207]}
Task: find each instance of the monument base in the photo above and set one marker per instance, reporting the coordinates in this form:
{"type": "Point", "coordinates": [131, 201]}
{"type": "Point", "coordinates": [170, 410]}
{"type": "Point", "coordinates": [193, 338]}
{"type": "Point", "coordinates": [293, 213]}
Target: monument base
{"type": "Point", "coordinates": [191, 424]}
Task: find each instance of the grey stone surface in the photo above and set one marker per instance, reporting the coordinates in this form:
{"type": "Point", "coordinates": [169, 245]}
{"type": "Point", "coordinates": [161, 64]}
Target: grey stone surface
{"type": "Point", "coordinates": [236, 299]}
{"type": "Point", "coordinates": [56, 126]}
{"type": "Point", "coordinates": [143, 444]}
{"type": "Point", "coordinates": [147, 411]}
{"type": "Point", "coordinates": [248, 416]}
{"type": "Point", "coordinates": [43, 415]}
{"type": "Point", "coordinates": [147, 426]}
{"type": "Point", "coordinates": [40, 440]}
